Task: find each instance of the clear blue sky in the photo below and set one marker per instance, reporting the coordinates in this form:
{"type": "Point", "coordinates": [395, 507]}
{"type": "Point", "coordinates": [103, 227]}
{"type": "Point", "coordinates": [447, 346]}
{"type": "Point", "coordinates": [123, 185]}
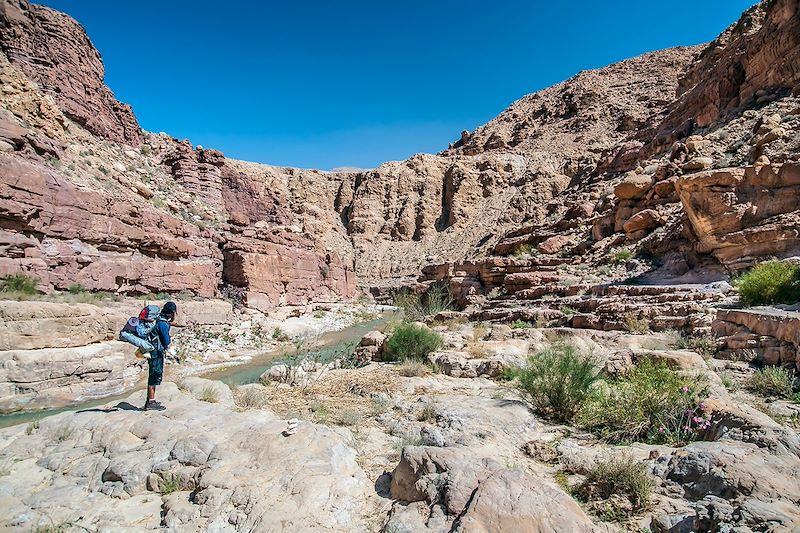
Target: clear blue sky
{"type": "Point", "coordinates": [331, 84]}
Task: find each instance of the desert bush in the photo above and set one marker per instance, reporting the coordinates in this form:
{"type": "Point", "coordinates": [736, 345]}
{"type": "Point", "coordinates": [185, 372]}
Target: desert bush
{"type": "Point", "coordinates": [622, 256]}
{"type": "Point", "coordinates": [62, 433]}
{"type": "Point", "coordinates": [170, 483]}
{"type": "Point", "coordinates": [771, 282]}
{"type": "Point", "coordinates": [477, 350]}
{"type": "Point", "coordinates": [76, 288]}
{"type": "Point", "coordinates": [418, 307]}
{"type": "Point", "coordinates": [479, 331]}
{"type": "Point", "coordinates": [635, 324]}
{"type": "Point", "coordinates": [320, 410]}
{"type": "Point", "coordinates": [209, 394]}
{"type": "Point", "coordinates": [347, 417]}
{"type": "Point", "coordinates": [520, 324]}
{"type": "Point", "coordinates": [410, 368]}
{"type": "Point", "coordinates": [52, 528]}
{"type": "Point", "coordinates": [20, 284]}
{"type": "Point", "coordinates": [772, 382]}
{"type": "Point", "coordinates": [728, 381]}
{"type": "Point", "coordinates": [652, 403]}
{"type": "Point", "coordinates": [412, 341]}
{"type": "Point", "coordinates": [701, 344]}
{"type": "Point", "coordinates": [495, 293]}
{"type": "Point", "coordinates": [428, 413]}
{"type": "Point", "coordinates": [556, 380]}
{"type": "Point", "coordinates": [250, 397]}
{"type": "Point", "coordinates": [567, 310]}
{"type": "Point", "coordinates": [609, 480]}
{"type": "Point", "coordinates": [279, 335]}
{"type": "Point", "coordinates": [524, 249]}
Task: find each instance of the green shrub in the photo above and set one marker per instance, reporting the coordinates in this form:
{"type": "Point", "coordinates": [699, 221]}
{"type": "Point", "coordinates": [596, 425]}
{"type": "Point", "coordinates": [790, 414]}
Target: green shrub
{"type": "Point", "coordinates": [621, 476]}
{"type": "Point", "coordinates": [170, 483]}
{"type": "Point", "coordinates": [76, 288]}
{"type": "Point", "coordinates": [510, 373]}
{"type": "Point", "coordinates": [412, 341]}
{"type": "Point", "coordinates": [772, 282]}
{"type": "Point", "coordinates": [772, 382]}
{"type": "Point", "coordinates": [279, 335]}
{"type": "Point", "coordinates": [418, 307]}
{"type": "Point", "coordinates": [652, 404]}
{"type": "Point", "coordinates": [520, 324]}
{"type": "Point", "coordinates": [19, 283]}
{"type": "Point", "coordinates": [622, 256]}
{"type": "Point", "coordinates": [556, 380]}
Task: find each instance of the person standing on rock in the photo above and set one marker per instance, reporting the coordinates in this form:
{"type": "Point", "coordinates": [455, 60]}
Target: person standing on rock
{"type": "Point", "coordinates": [156, 362]}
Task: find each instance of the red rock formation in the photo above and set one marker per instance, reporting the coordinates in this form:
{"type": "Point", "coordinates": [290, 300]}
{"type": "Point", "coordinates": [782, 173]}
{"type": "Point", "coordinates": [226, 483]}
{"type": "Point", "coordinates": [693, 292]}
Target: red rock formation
{"type": "Point", "coordinates": [284, 269]}
{"type": "Point", "coordinates": [742, 215]}
{"type": "Point", "coordinates": [67, 234]}
{"type": "Point", "coordinates": [198, 171]}
{"type": "Point", "coordinates": [752, 62]}
{"type": "Point", "coordinates": [53, 50]}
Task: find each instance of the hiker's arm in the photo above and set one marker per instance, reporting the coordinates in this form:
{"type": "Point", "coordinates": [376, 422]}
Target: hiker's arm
{"type": "Point", "coordinates": [163, 329]}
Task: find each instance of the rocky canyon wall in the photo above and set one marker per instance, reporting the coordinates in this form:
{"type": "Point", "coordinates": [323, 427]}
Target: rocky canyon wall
{"type": "Point", "coordinates": [88, 198]}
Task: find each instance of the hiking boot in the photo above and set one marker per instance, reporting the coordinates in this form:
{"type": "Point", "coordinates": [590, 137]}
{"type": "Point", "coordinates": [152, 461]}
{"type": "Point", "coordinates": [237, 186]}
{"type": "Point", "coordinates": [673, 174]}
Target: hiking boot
{"type": "Point", "coordinates": [141, 354]}
{"type": "Point", "coordinates": [152, 405]}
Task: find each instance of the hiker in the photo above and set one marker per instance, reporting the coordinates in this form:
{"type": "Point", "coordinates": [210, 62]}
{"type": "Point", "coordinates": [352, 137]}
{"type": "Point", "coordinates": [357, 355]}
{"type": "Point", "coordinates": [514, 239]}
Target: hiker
{"type": "Point", "coordinates": [160, 341]}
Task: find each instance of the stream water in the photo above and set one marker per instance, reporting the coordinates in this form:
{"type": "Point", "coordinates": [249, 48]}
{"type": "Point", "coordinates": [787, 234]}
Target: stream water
{"type": "Point", "coordinates": [240, 374]}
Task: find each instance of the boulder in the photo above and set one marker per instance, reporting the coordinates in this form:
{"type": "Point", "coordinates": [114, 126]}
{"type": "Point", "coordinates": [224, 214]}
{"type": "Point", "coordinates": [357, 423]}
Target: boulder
{"type": "Point", "coordinates": [644, 220]}
{"type": "Point", "coordinates": [633, 186]}
{"type": "Point", "coordinates": [373, 338]}
{"type": "Point", "coordinates": [743, 215]}
{"type": "Point", "coordinates": [484, 496]}
{"type": "Point", "coordinates": [554, 244]}
{"type": "Point", "coordinates": [698, 163]}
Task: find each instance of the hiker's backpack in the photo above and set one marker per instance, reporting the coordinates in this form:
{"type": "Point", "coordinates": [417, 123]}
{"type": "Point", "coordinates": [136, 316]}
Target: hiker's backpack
{"type": "Point", "coordinates": [143, 325]}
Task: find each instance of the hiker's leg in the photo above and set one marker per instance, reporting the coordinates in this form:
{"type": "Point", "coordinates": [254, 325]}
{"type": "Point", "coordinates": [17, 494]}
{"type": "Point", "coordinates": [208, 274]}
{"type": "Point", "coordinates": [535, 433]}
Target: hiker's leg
{"type": "Point", "coordinates": [155, 368]}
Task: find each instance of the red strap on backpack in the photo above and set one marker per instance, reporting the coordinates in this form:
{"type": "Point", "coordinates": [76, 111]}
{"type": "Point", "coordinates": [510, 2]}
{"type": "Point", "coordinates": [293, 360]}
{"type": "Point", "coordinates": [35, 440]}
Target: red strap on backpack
{"type": "Point", "coordinates": [143, 314]}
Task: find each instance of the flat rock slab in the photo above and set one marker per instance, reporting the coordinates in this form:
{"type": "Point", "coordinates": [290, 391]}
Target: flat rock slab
{"type": "Point", "coordinates": [53, 377]}
{"type": "Point", "coordinates": [234, 471]}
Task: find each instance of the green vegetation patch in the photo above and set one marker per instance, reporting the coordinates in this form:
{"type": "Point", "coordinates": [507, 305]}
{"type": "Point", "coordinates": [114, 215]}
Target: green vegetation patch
{"type": "Point", "coordinates": [412, 342]}
{"type": "Point", "coordinates": [556, 380]}
{"type": "Point", "coordinates": [772, 282]}
{"type": "Point", "coordinates": [652, 404]}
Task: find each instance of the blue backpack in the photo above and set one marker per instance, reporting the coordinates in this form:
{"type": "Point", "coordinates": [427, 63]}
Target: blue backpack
{"type": "Point", "coordinates": [143, 325]}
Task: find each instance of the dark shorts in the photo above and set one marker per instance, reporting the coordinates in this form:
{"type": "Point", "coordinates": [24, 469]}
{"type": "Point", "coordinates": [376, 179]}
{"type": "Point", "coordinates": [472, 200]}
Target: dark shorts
{"type": "Point", "coordinates": [156, 369]}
